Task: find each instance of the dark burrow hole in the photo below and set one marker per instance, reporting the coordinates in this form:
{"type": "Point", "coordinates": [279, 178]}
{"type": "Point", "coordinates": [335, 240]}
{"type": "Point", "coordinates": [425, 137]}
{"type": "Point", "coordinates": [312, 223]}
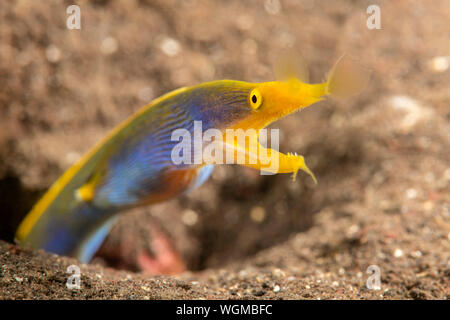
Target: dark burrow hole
{"type": "Point", "coordinates": [246, 219]}
{"type": "Point", "coordinates": [15, 202]}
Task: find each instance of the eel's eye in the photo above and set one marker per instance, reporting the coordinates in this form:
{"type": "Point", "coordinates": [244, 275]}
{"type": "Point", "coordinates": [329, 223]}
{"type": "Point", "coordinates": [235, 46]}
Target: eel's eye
{"type": "Point", "coordinates": [255, 99]}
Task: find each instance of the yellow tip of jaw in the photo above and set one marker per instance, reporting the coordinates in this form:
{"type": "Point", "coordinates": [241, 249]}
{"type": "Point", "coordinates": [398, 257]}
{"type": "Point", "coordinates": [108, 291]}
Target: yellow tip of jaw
{"type": "Point", "coordinates": [306, 169]}
{"type": "Point", "coordinates": [299, 164]}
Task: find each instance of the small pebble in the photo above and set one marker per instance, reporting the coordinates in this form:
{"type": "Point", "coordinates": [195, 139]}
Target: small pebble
{"type": "Point", "coordinates": [439, 64]}
{"type": "Point", "coordinates": [278, 273]}
{"type": "Point", "coordinates": [398, 253]}
{"type": "Point", "coordinates": [189, 217]}
{"type": "Point", "coordinates": [272, 6]}
{"type": "Point", "coordinates": [53, 54]}
{"type": "Point", "coordinates": [416, 254]}
{"type": "Point", "coordinates": [170, 47]}
{"type": "Point", "coordinates": [413, 111]}
{"type": "Point", "coordinates": [276, 288]}
{"type": "Point", "coordinates": [411, 193]}
{"type": "Point", "coordinates": [109, 45]}
{"type": "Point", "coordinates": [258, 214]}
{"type": "Point", "coordinates": [352, 230]}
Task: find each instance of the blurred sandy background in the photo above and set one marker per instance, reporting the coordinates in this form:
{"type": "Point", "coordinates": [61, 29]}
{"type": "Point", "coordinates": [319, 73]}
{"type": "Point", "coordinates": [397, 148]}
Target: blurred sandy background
{"type": "Point", "coordinates": [381, 158]}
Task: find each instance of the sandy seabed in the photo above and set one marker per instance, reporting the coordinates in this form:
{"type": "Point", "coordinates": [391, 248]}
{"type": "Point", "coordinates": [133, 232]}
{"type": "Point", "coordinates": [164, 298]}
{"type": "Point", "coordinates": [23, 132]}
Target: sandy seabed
{"type": "Point", "coordinates": [381, 158]}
